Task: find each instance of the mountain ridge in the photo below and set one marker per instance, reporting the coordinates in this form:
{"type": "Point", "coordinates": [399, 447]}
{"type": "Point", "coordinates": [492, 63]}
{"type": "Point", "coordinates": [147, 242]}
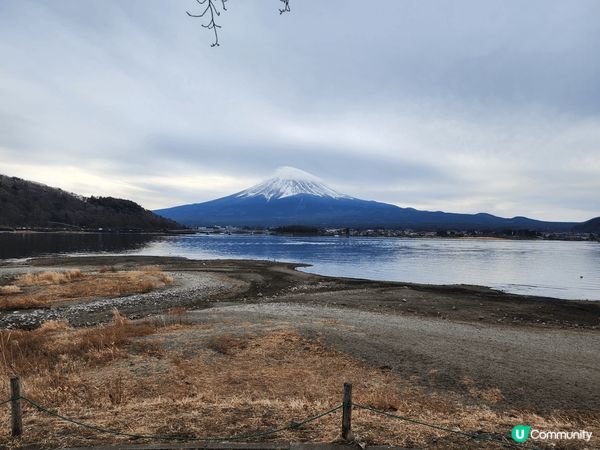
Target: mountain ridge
{"type": "Point", "coordinates": [31, 204]}
{"type": "Point", "coordinates": [589, 226]}
{"type": "Point", "coordinates": [295, 197]}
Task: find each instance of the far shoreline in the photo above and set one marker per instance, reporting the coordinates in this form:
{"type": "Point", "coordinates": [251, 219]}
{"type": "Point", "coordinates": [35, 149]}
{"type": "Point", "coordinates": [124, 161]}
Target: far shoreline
{"type": "Point", "coordinates": [158, 232]}
{"type": "Point", "coordinates": [562, 237]}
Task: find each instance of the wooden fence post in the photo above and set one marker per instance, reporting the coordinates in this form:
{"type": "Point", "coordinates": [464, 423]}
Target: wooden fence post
{"type": "Point", "coordinates": [347, 413]}
{"type": "Point", "coordinates": [15, 402]}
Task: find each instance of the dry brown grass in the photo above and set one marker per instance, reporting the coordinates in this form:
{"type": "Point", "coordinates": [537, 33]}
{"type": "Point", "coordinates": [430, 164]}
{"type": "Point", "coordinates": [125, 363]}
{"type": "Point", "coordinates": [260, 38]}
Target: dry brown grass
{"type": "Point", "coordinates": [489, 395]}
{"type": "Point", "coordinates": [45, 278]}
{"type": "Point", "coordinates": [42, 351]}
{"type": "Point", "coordinates": [11, 289]}
{"type": "Point", "coordinates": [227, 344]}
{"type": "Point", "coordinates": [35, 290]}
{"type": "Point", "coordinates": [156, 272]}
{"type": "Point", "coordinates": [179, 380]}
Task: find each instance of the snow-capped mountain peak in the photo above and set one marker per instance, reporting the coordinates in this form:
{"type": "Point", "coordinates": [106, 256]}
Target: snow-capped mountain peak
{"type": "Point", "coordinates": [289, 181]}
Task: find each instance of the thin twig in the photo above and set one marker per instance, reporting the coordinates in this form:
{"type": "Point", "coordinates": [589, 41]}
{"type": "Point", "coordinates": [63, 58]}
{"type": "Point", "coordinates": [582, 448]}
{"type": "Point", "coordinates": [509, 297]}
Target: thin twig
{"type": "Point", "coordinates": [214, 11]}
{"type": "Point", "coordinates": [286, 6]}
{"type": "Point", "coordinates": [211, 25]}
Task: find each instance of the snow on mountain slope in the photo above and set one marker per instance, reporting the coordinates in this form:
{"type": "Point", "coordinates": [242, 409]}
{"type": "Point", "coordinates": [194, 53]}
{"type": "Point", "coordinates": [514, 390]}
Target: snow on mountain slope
{"type": "Point", "coordinates": [289, 181]}
{"type": "Point", "coordinates": [294, 197]}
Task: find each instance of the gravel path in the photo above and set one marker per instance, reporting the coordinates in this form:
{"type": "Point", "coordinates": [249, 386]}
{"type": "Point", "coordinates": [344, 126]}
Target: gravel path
{"type": "Point", "coordinates": [542, 369]}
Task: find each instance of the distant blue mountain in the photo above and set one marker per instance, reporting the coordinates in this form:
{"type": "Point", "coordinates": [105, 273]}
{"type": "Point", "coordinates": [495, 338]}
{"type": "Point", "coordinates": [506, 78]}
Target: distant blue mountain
{"type": "Point", "coordinates": [591, 226]}
{"type": "Point", "coordinates": [294, 197]}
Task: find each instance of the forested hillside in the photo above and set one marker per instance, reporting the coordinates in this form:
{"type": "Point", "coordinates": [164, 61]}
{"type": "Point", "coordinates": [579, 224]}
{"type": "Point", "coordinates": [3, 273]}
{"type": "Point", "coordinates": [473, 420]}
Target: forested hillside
{"type": "Point", "coordinates": [28, 204]}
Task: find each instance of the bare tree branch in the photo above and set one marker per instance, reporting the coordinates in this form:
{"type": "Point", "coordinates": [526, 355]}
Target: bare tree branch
{"type": "Point", "coordinates": [211, 25]}
{"type": "Point", "coordinates": [286, 6]}
{"type": "Point", "coordinates": [214, 11]}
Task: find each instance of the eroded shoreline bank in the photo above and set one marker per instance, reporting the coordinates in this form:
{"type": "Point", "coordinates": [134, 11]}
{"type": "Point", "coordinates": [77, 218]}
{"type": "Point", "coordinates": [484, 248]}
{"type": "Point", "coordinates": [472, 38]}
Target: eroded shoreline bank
{"type": "Point", "coordinates": [205, 283]}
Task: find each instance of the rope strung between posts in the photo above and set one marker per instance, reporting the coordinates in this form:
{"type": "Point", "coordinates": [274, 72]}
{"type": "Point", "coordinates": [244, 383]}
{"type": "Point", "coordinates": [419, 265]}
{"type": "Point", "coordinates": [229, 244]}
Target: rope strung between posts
{"type": "Point", "coordinates": [235, 437]}
{"type": "Point", "coordinates": [248, 436]}
{"type": "Point", "coordinates": [437, 427]}
{"type": "Point", "coordinates": [407, 419]}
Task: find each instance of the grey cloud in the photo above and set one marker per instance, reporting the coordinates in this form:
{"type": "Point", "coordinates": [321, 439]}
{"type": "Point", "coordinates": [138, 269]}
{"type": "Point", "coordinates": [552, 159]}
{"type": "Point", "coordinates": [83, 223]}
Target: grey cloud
{"type": "Point", "coordinates": [463, 105]}
{"type": "Point", "coordinates": [331, 164]}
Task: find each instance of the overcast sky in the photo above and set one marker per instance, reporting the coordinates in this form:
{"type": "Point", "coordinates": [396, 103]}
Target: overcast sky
{"type": "Point", "coordinates": [462, 106]}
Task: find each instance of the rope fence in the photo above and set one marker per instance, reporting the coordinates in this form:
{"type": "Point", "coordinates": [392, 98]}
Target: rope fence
{"type": "Point", "coordinates": [235, 437]}
{"type": "Point", "coordinates": [346, 406]}
{"type": "Point", "coordinates": [472, 436]}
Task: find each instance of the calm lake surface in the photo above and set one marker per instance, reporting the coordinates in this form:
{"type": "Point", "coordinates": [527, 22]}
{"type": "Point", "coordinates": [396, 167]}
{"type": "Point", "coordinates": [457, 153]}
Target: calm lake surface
{"type": "Point", "coordinates": [551, 268]}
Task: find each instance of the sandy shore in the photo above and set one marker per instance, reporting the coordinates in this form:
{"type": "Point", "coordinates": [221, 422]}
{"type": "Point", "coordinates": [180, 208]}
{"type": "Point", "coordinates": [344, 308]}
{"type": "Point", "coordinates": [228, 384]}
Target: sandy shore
{"type": "Point", "coordinates": [540, 353]}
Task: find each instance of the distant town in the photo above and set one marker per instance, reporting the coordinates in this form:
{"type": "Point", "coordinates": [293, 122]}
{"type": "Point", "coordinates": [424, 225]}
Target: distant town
{"type": "Point", "coordinates": [301, 230]}
{"type": "Point", "coordinates": [386, 232]}
{"type": "Point", "coordinates": [334, 232]}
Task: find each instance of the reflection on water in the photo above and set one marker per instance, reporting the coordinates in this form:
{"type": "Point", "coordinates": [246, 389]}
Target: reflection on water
{"type": "Point", "coordinates": [550, 268]}
{"type": "Point", "coordinates": [23, 245]}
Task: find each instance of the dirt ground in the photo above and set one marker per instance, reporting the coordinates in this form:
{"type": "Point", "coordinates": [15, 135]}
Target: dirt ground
{"type": "Point", "coordinates": [519, 358]}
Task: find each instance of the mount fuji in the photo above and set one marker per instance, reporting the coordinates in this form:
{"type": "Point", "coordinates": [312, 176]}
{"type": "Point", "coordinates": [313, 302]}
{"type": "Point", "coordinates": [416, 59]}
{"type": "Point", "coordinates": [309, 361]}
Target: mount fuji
{"type": "Point", "coordinates": [288, 182]}
{"type": "Point", "coordinates": [295, 197]}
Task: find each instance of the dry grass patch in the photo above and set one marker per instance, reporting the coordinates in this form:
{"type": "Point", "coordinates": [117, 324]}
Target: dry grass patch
{"type": "Point", "coordinates": [35, 290]}
{"type": "Point", "coordinates": [227, 344]}
{"type": "Point", "coordinates": [47, 278]}
{"type": "Point", "coordinates": [490, 395]}
{"type": "Point", "coordinates": [55, 359]}
{"type": "Point", "coordinates": [7, 290]}
{"type": "Point", "coordinates": [44, 351]}
{"type": "Point", "coordinates": [184, 381]}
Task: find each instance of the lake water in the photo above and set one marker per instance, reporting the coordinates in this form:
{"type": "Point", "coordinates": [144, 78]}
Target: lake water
{"type": "Point", "coordinates": [25, 245]}
{"type": "Point", "coordinates": [550, 268]}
